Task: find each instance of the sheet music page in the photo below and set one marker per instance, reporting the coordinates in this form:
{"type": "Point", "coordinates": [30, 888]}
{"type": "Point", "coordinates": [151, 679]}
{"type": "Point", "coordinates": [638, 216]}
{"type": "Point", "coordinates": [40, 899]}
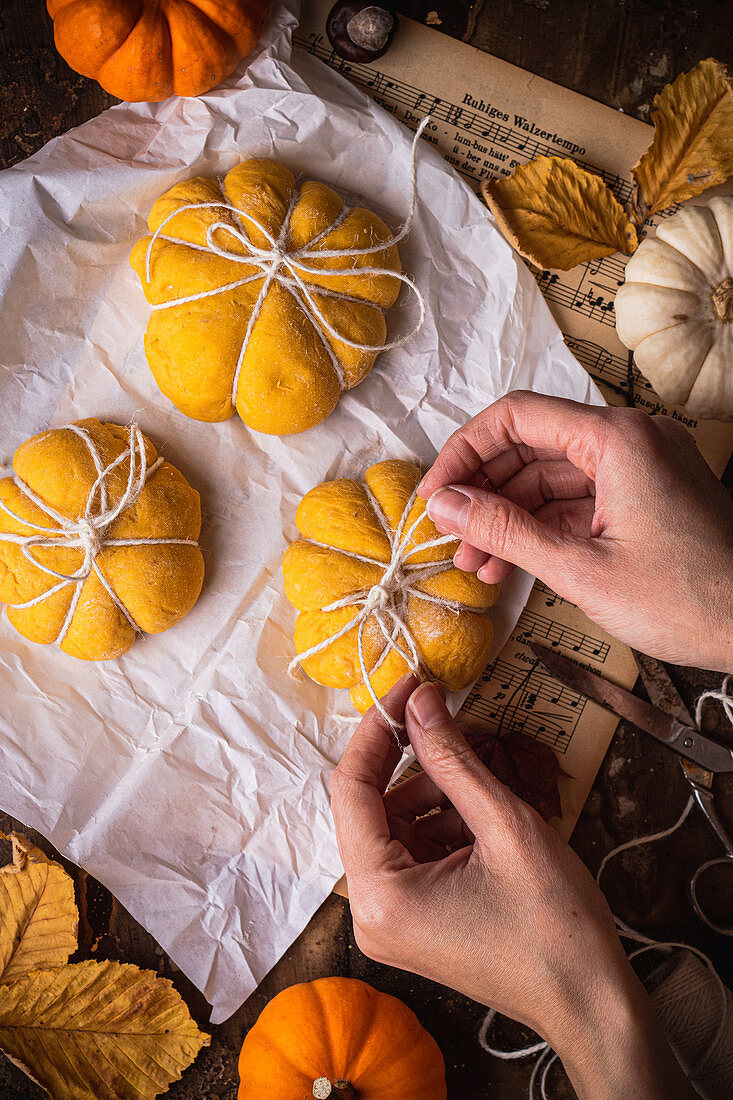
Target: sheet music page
{"type": "Point", "coordinates": [487, 116]}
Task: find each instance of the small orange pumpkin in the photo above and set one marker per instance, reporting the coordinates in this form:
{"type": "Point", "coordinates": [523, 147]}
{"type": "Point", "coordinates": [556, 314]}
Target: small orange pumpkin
{"type": "Point", "coordinates": [151, 49]}
{"type": "Point", "coordinates": [339, 1039]}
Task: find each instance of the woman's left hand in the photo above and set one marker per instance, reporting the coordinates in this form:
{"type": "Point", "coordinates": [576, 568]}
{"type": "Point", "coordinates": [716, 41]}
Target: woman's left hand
{"type": "Point", "coordinates": [453, 877]}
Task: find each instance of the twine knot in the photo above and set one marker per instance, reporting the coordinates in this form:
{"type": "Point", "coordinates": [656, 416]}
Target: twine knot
{"type": "Point", "coordinates": [380, 596]}
{"type": "Point", "coordinates": [291, 268]}
{"type": "Point", "coordinates": [90, 538]}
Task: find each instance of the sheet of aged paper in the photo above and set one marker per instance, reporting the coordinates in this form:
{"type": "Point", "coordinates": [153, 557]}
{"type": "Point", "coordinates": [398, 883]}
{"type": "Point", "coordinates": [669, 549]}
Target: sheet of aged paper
{"type": "Point", "coordinates": [486, 117]}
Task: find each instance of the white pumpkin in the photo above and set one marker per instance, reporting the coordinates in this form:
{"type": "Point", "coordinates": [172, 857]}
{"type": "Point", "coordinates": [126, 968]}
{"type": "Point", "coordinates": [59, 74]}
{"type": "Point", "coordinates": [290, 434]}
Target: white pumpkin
{"type": "Point", "coordinates": [675, 309]}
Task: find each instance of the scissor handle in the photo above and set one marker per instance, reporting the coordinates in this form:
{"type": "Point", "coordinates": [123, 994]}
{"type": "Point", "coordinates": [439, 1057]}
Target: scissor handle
{"type": "Point", "coordinates": [725, 930]}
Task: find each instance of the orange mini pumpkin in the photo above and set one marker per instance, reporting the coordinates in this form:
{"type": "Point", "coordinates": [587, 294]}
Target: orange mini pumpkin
{"type": "Point", "coordinates": [339, 1039]}
{"type": "Point", "coordinates": [151, 49]}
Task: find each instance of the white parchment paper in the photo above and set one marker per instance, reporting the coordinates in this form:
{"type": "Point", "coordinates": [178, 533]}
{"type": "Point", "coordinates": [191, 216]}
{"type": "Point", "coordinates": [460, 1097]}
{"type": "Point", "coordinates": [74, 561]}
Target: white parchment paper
{"type": "Point", "coordinates": [191, 775]}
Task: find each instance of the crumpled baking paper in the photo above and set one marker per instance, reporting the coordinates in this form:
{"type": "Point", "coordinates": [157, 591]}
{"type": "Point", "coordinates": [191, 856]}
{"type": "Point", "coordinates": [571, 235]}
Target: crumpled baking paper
{"type": "Point", "coordinates": [191, 775]}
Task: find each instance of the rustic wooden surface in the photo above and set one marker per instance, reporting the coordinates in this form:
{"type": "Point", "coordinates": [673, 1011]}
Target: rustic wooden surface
{"type": "Point", "coordinates": [620, 52]}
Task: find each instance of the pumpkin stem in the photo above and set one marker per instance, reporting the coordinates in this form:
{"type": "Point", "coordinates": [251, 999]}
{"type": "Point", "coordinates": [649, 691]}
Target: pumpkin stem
{"type": "Point", "coordinates": [723, 300]}
{"type": "Point", "coordinates": [323, 1089]}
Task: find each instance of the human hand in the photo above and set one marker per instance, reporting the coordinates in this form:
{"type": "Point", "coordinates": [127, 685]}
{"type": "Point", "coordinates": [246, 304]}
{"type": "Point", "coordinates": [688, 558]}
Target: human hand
{"type": "Point", "coordinates": [483, 896]}
{"type": "Point", "coordinates": [615, 510]}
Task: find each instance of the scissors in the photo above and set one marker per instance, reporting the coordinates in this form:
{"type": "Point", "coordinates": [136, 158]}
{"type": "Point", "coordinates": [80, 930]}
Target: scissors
{"type": "Point", "coordinates": [668, 720]}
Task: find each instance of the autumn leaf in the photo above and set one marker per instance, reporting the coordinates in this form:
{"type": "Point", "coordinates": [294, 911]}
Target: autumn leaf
{"type": "Point", "coordinates": [693, 139]}
{"type": "Point", "coordinates": [530, 769]}
{"type": "Point", "coordinates": [527, 767]}
{"type": "Point", "coordinates": [84, 1031]}
{"type": "Point", "coordinates": [38, 915]}
{"type": "Point", "coordinates": [98, 1031]}
{"type": "Point", "coordinates": [557, 214]}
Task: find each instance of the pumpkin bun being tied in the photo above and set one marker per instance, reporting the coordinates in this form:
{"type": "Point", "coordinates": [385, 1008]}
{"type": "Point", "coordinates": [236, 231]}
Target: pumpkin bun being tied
{"type": "Point", "coordinates": [98, 540]}
{"type": "Point", "coordinates": [263, 339]}
{"type": "Point", "coordinates": [361, 548]}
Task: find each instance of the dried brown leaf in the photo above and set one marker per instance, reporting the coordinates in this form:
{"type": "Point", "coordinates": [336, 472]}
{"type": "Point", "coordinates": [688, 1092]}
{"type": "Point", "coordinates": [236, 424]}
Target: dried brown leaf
{"type": "Point", "coordinates": [693, 139]}
{"type": "Point", "coordinates": [530, 769]}
{"type": "Point", "coordinates": [98, 1031]}
{"type": "Point", "coordinates": [38, 914]}
{"type": "Point", "coordinates": [557, 214]}
{"type": "Point", "coordinates": [527, 767]}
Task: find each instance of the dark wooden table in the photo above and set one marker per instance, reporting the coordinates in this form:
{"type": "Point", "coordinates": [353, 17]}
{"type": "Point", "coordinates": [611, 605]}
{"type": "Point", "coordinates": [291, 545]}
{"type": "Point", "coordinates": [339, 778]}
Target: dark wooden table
{"type": "Point", "coordinates": [620, 52]}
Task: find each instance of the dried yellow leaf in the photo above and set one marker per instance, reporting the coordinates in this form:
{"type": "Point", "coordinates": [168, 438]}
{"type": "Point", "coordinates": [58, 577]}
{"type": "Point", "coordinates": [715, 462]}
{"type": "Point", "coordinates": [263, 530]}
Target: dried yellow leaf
{"type": "Point", "coordinates": [557, 214]}
{"type": "Point", "coordinates": [38, 915]}
{"type": "Point", "coordinates": [693, 139]}
{"type": "Point", "coordinates": [98, 1031]}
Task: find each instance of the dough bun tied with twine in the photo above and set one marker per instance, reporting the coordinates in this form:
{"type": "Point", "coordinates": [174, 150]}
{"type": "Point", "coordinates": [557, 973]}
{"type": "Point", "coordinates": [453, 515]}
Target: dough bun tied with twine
{"type": "Point", "coordinates": [98, 540]}
{"type": "Point", "coordinates": [377, 590]}
{"type": "Point", "coordinates": [268, 296]}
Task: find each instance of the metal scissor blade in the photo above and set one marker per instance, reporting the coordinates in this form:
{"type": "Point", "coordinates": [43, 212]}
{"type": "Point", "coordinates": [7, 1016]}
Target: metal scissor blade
{"type": "Point", "coordinates": [684, 738]}
{"type": "Point", "coordinates": [660, 689]}
{"type": "Point", "coordinates": [664, 694]}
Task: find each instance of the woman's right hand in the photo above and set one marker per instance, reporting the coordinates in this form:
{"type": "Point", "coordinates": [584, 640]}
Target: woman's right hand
{"type": "Point", "coordinates": [617, 511]}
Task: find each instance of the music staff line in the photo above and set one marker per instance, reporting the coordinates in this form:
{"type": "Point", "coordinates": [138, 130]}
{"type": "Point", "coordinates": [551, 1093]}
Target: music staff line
{"type": "Point", "coordinates": [507, 695]}
{"type": "Point", "coordinates": [453, 114]}
{"type": "Point", "coordinates": [554, 727]}
{"type": "Point", "coordinates": [532, 624]}
{"type": "Point", "coordinates": [612, 268]}
{"type": "Point", "coordinates": [609, 367]}
{"type": "Point", "coordinates": [587, 302]}
{"type": "Point", "coordinates": [506, 676]}
{"type": "Point", "coordinates": [551, 598]}
{"type": "Point", "coordinates": [517, 718]}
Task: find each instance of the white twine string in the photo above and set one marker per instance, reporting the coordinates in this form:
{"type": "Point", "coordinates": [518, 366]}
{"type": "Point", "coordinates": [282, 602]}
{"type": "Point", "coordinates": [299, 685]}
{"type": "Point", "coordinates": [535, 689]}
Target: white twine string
{"type": "Point", "coordinates": [722, 695]}
{"type": "Point", "coordinates": [278, 264]}
{"type": "Point", "coordinates": [386, 601]}
{"type": "Point", "coordinates": [88, 532]}
{"type": "Point", "coordinates": [546, 1056]}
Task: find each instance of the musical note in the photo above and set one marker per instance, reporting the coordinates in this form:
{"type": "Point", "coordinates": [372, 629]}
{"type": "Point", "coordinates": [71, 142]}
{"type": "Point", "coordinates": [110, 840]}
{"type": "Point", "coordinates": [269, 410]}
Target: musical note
{"type": "Point", "coordinates": [527, 698]}
{"type": "Point", "coordinates": [604, 365]}
{"type": "Point", "coordinates": [377, 83]}
{"type": "Point", "coordinates": [343, 66]}
{"type": "Point", "coordinates": [422, 101]}
{"type": "Point", "coordinates": [313, 42]}
{"type": "Point", "coordinates": [490, 134]}
{"type": "Point", "coordinates": [533, 625]}
{"type": "Point", "coordinates": [552, 598]}
{"type": "Point", "coordinates": [516, 705]}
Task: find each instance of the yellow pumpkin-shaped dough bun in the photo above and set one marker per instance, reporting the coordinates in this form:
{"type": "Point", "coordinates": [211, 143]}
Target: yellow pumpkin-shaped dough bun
{"type": "Point", "coordinates": [261, 333]}
{"type": "Point", "coordinates": [98, 540]}
{"type": "Point", "coordinates": [377, 590]}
